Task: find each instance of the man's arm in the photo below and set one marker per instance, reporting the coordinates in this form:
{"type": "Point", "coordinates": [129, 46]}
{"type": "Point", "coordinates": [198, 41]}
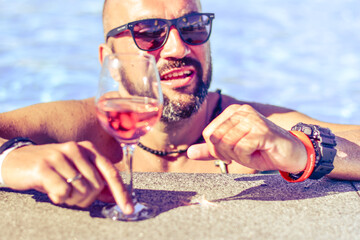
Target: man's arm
{"type": "Point", "coordinates": [59, 122]}
{"type": "Point", "coordinates": [51, 122]}
{"type": "Point", "coordinates": [256, 136]}
{"type": "Point", "coordinates": [47, 167]}
{"type": "Point", "coordinates": [347, 160]}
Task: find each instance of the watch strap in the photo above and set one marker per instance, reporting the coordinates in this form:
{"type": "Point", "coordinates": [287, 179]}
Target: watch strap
{"type": "Point", "coordinates": [324, 145]}
{"type": "Point", "coordinates": [14, 141]}
{"type": "Point", "coordinates": [8, 147]}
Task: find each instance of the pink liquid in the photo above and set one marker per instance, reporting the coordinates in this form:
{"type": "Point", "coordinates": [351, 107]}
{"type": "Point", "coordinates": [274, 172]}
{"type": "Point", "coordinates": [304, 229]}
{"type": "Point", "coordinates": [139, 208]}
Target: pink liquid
{"type": "Point", "coordinates": [128, 119]}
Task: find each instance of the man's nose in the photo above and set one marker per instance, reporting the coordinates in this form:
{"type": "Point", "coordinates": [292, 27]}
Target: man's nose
{"type": "Point", "coordinates": [174, 47]}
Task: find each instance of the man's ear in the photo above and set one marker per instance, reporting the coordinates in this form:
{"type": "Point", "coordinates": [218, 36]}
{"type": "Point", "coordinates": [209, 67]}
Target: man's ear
{"type": "Point", "coordinates": [104, 50]}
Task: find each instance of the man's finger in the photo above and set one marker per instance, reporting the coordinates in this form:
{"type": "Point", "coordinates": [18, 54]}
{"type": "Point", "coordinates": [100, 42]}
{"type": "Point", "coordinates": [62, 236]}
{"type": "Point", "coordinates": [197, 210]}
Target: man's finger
{"type": "Point", "coordinates": [114, 181]}
{"type": "Point", "coordinates": [200, 152]}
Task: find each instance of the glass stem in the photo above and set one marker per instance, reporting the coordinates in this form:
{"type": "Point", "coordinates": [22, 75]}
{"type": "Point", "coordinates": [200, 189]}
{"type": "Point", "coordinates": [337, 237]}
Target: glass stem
{"type": "Point", "coordinates": [128, 150]}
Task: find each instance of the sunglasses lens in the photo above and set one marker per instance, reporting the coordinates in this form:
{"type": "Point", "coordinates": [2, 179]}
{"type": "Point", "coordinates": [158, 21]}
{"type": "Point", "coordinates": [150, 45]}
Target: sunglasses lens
{"type": "Point", "coordinates": [150, 34]}
{"type": "Point", "coordinates": [195, 29]}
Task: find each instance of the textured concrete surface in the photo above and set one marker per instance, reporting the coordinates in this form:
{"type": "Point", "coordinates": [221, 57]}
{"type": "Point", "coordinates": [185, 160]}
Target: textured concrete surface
{"type": "Point", "coordinates": [198, 206]}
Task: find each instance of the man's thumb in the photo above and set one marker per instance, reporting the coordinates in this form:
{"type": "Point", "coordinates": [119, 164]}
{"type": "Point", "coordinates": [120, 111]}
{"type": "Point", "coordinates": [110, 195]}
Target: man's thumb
{"type": "Point", "coordinates": [199, 152]}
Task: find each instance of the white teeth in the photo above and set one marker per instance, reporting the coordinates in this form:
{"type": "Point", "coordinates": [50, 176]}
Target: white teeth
{"type": "Point", "coordinates": [177, 74]}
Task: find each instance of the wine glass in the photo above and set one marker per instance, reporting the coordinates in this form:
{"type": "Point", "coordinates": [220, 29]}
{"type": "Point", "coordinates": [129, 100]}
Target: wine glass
{"type": "Point", "coordinates": [129, 102]}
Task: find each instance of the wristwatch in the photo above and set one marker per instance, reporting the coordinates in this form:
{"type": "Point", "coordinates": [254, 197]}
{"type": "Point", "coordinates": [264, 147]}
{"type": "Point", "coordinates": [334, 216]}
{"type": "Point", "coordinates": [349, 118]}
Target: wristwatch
{"type": "Point", "coordinates": [9, 146]}
{"type": "Point", "coordinates": [324, 144]}
{"type": "Point", "coordinates": [18, 142]}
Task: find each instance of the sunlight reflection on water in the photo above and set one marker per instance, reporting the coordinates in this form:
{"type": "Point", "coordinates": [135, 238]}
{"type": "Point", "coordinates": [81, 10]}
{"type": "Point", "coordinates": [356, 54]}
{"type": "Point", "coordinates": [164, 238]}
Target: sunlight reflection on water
{"type": "Point", "coordinates": [304, 55]}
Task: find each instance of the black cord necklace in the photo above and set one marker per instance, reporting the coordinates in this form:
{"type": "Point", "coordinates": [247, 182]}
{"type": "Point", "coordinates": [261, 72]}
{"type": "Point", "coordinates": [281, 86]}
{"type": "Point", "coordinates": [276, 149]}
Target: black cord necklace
{"type": "Point", "coordinates": [160, 153]}
{"type": "Point", "coordinates": [216, 112]}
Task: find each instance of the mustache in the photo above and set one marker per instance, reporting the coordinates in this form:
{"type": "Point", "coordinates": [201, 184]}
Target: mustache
{"type": "Point", "coordinates": [177, 63]}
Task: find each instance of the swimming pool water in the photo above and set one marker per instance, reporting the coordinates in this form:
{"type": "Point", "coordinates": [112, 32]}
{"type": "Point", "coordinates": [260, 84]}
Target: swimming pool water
{"type": "Point", "coordinates": [303, 55]}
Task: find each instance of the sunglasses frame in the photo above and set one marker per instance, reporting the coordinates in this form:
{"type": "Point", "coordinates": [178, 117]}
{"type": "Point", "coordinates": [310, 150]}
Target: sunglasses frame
{"type": "Point", "coordinates": [169, 22]}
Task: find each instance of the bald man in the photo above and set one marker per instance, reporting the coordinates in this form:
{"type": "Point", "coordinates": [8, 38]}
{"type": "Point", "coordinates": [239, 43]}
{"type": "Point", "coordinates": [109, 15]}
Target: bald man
{"type": "Point", "coordinates": [197, 128]}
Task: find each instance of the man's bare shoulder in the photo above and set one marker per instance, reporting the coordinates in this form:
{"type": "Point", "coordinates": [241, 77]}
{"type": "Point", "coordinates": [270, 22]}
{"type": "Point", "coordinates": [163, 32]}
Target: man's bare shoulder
{"type": "Point", "coordinates": [282, 116]}
{"type": "Point", "coordinates": [265, 109]}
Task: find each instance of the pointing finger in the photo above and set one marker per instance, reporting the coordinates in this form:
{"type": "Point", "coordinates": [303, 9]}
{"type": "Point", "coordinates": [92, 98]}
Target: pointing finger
{"type": "Point", "coordinates": [114, 181]}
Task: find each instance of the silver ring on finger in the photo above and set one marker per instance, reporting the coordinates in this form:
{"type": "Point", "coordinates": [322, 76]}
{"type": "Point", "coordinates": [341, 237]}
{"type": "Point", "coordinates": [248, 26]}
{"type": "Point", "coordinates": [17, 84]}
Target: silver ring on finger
{"type": "Point", "coordinates": [77, 177]}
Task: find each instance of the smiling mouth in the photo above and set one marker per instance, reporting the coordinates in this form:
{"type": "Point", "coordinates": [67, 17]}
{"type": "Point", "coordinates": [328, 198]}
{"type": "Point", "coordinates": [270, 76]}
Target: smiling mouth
{"type": "Point", "coordinates": [176, 75]}
{"type": "Point", "coordinates": [177, 78]}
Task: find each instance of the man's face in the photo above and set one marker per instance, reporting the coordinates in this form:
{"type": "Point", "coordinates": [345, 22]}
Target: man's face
{"type": "Point", "coordinates": [185, 70]}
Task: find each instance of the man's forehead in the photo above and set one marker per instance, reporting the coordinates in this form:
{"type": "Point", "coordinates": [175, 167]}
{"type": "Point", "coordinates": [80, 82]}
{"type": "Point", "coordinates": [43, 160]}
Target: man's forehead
{"type": "Point", "coordinates": [122, 11]}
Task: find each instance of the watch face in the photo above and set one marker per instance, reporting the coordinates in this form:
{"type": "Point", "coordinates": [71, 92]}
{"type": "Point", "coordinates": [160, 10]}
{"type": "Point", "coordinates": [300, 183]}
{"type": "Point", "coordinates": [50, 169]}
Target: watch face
{"type": "Point", "coordinates": [308, 131]}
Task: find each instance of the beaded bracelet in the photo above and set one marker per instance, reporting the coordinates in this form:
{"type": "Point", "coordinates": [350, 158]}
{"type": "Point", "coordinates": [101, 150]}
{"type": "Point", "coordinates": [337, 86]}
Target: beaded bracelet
{"type": "Point", "coordinates": [311, 158]}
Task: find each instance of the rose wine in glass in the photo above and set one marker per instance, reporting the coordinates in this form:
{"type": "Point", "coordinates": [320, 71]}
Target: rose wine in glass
{"type": "Point", "coordinates": [128, 119]}
{"type": "Point", "coordinates": [129, 103]}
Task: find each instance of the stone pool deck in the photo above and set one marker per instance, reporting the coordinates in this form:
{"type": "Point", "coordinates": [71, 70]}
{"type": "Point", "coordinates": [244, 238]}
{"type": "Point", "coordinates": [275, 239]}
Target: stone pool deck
{"type": "Point", "coordinates": [198, 206]}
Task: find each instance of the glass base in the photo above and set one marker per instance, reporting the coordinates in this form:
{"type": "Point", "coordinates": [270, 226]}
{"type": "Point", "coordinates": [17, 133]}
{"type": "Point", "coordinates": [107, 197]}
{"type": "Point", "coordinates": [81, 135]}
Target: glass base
{"type": "Point", "coordinates": [141, 212]}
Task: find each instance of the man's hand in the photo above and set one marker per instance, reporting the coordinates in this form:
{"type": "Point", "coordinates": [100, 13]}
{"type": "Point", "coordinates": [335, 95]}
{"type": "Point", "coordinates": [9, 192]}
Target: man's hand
{"type": "Point", "coordinates": [46, 168]}
{"type": "Point", "coordinates": [243, 135]}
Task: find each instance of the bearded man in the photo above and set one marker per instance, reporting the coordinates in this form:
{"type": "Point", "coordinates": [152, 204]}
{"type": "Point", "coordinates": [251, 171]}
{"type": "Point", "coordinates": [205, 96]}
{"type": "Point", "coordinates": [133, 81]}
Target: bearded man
{"type": "Point", "coordinates": [197, 128]}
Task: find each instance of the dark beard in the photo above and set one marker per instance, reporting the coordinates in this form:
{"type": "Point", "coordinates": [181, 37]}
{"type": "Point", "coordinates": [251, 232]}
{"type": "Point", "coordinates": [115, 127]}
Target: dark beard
{"type": "Point", "coordinates": [177, 110]}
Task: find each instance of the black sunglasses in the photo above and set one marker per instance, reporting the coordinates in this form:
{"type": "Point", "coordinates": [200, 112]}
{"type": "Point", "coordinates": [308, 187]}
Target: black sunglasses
{"type": "Point", "coordinates": [152, 34]}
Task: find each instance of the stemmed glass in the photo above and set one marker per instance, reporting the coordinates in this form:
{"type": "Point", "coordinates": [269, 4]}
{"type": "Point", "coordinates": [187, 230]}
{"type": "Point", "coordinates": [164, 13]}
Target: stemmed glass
{"type": "Point", "coordinates": [129, 102]}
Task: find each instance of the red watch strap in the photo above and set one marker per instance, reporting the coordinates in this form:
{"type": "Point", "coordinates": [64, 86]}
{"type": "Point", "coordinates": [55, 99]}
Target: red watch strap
{"type": "Point", "coordinates": [311, 158]}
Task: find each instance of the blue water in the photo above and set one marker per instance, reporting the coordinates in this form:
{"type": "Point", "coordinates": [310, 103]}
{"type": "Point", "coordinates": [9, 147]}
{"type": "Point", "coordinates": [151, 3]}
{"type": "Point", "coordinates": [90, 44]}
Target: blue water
{"type": "Point", "coordinates": [303, 55]}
